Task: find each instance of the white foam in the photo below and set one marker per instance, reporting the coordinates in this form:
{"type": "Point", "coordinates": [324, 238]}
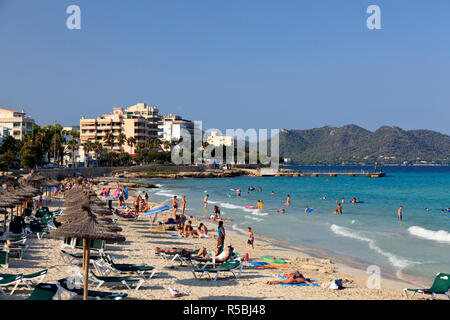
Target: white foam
{"type": "Point", "coordinates": [257, 213]}
{"type": "Point", "coordinates": [440, 236]}
{"type": "Point", "coordinates": [229, 205]}
{"type": "Point", "coordinates": [165, 193]}
{"type": "Point", "coordinates": [254, 218]}
{"type": "Point", "coordinates": [393, 259]}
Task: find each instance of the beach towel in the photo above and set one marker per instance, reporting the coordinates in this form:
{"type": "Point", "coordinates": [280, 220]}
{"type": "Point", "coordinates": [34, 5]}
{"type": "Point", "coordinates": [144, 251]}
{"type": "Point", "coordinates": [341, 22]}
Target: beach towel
{"type": "Point", "coordinates": [297, 284]}
{"type": "Point", "coordinates": [274, 266]}
{"type": "Point", "coordinates": [257, 264]}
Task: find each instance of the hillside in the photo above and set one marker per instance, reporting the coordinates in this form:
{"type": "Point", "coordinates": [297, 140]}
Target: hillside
{"type": "Point", "coordinates": [353, 145]}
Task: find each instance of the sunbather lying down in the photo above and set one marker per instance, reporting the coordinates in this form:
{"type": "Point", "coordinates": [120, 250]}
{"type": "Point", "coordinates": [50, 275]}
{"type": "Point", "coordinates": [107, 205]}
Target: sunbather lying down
{"type": "Point", "coordinates": [202, 253]}
{"type": "Point", "coordinates": [292, 278]}
{"type": "Point", "coordinates": [128, 213]}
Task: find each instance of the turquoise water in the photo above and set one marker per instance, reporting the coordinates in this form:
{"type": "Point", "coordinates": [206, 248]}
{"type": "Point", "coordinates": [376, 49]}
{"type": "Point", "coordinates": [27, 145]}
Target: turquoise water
{"type": "Point", "coordinates": [368, 232]}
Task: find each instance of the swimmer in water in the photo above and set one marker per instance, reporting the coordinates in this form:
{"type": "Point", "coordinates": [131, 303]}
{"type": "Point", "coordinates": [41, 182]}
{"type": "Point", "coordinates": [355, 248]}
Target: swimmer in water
{"type": "Point", "coordinates": [288, 200]}
{"type": "Point", "coordinates": [282, 211]}
{"type": "Point", "coordinates": [400, 214]}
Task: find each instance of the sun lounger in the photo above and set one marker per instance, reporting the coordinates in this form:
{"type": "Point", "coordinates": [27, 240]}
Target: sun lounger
{"type": "Point", "coordinates": [34, 278]}
{"type": "Point", "coordinates": [197, 262]}
{"type": "Point", "coordinates": [229, 266]}
{"type": "Point", "coordinates": [18, 249]}
{"type": "Point", "coordinates": [173, 256]}
{"type": "Point", "coordinates": [96, 245]}
{"type": "Point", "coordinates": [44, 291]}
{"type": "Point", "coordinates": [75, 259]}
{"type": "Point", "coordinates": [441, 285]}
{"type": "Point", "coordinates": [107, 264]}
{"type": "Point", "coordinates": [9, 280]}
{"type": "Point", "coordinates": [4, 259]}
{"type": "Point", "coordinates": [114, 281]}
{"type": "Point", "coordinates": [63, 286]}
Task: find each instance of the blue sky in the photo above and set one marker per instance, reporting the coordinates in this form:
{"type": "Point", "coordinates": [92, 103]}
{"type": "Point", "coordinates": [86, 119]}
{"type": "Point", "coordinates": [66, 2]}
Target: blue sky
{"type": "Point", "coordinates": [233, 64]}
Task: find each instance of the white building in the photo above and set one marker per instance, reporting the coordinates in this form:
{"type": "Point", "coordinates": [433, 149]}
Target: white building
{"type": "Point", "coordinates": [171, 128]}
{"type": "Point", "coordinates": [79, 154]}
{"type": "Point", "coordinates": [15, 123]}
{"type": "Point", "coordinates": [217, 140]}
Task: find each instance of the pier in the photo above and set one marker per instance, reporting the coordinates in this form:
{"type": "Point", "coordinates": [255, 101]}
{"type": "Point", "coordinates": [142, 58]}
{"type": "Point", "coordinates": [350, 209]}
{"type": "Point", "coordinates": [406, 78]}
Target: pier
{"type": "Point", "coordinates": [297, 173]}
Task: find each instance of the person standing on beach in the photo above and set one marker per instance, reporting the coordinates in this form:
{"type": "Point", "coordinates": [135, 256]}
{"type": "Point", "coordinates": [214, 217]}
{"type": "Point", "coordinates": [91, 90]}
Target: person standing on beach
{"type": "Point", "coordinates": [251, 238]}
{"type": "Point", "coordinates": [137, 202]}
{"type": "Point", "coordinates": [183, 204]}
{"type": "Point", "coordinates": [400, 213]}
{"type": "Point", "coordinates": [220, 235]}
{"type": "Point", "coordinates": [205, 201]}
{"type": "Point", "coordinates": [175, 206]}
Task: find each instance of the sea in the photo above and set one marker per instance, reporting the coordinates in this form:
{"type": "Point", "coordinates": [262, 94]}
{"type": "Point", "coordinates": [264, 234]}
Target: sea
{"type": "Point", "coordinates": [367, 233]}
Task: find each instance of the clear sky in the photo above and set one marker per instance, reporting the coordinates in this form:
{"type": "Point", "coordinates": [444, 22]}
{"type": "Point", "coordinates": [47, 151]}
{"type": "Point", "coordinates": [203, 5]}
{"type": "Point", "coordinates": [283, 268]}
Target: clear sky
{"type": "Point", "coordinates": [233, 64]}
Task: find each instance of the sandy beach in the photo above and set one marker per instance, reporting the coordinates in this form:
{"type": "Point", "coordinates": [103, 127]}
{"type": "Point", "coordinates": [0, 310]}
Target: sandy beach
{"type": "Point", "coordinates": [140, 244]}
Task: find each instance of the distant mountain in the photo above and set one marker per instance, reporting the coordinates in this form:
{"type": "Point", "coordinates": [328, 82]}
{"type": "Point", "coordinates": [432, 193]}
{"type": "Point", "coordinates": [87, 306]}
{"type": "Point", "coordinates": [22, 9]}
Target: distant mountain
{"type": "Point", "coordinates": [351, 144]}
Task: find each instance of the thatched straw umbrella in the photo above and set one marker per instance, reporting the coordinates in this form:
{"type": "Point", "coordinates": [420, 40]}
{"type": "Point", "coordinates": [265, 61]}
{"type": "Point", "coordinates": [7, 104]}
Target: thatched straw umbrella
{"type": "Point", "coordinates": [87, 228]}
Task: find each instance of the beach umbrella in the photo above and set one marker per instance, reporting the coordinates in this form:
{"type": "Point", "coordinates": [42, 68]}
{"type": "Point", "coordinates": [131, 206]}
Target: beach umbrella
{"type": "Point", "coordinates": [87, 228]}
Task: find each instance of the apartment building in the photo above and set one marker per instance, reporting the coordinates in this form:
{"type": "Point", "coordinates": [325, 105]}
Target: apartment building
{"type": "Point", "coordinates": [171, 127]}
{"type": "Point", "coordinates": [15, 123]}
{"type": "Point", "coordinates": [139, 122]}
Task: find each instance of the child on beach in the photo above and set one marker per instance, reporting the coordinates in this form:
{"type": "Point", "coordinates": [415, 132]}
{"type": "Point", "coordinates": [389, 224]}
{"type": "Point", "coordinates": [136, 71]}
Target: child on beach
{"type": "Point", "coordinates": [251, 238]}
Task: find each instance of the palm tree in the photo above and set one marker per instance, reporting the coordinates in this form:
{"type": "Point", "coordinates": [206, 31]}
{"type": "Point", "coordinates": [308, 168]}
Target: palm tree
{"type": "Point", "coordinates": [98, 149]}
{"type": "Point", "coordinates": [121, 139]}
{"type": "Point", "coordinates": [57, 142]}
{"type": "Point", "coordinates": [108, 139]}
{"type": "Point", "coordinates": [131, 141]}
{"type": "Point", "coordinates": [73, 146]}
{"type": "Point", "coordinates": [88, 146]}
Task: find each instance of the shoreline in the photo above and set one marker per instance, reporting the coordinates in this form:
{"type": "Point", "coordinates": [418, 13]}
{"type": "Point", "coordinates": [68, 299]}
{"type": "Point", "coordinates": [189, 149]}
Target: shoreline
{"type": "Point", "coordinates": [342, 267]}
{"type": "Point", "coordinates": [394, 279]}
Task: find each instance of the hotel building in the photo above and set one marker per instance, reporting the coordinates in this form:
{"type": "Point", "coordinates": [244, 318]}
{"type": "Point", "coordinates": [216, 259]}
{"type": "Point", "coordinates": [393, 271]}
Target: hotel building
{"type": "Point", "coordinates": [15, 123]}
{"type": "Point", "coordinates": [139, 121]}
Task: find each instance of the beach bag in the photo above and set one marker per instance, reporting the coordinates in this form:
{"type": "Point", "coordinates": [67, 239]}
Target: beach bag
{"type": "Point", "coordinates": [335, 284]}
{"type": "Point", "coordinates": [16, 226]}
{"type": "Point", "coordinates": [35, 226]}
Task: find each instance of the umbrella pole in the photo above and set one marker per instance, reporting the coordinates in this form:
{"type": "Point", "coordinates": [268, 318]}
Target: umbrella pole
{"type": "Point", "coordinates": [4, 223]}
{"type": "Point", "coordinates": [87, 243]}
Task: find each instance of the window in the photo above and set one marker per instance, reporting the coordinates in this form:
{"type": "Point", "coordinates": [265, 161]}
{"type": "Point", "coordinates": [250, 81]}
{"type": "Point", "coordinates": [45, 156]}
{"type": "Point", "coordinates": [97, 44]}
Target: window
{"type": "Point", "coordinates": [16, 133]}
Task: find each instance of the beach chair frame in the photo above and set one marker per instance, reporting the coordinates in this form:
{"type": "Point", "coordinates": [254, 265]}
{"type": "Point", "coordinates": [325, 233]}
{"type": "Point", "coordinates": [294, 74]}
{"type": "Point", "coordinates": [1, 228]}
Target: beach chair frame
{"type": "Point", "coordinates": [34, 278]}
{"type": "Point", "coordinates": [16, 281]}
{"type": "Point", "coordinates": [100, 282]}
{"type": "Point", "coordinates": [106, 266]}
{"type": "Point", "coordinates": [74, 294]}
{"type": "Point", "coordinates": [433, 290]}
{"type": "Point", "coordinates": [218, 271]}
